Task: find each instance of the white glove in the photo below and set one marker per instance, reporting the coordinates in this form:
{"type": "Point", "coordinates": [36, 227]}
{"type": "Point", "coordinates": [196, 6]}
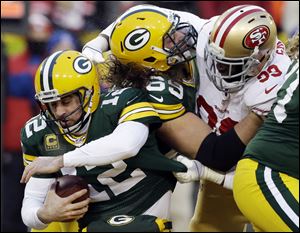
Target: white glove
{"type": "Point", "coordinates": [92, 54]}
{"type": "Point", "coordinates": [196, 171]}
{"type": "Point", "coordinates": [94, 49]}
{"type": "Point", "coordinates": [193, 173]}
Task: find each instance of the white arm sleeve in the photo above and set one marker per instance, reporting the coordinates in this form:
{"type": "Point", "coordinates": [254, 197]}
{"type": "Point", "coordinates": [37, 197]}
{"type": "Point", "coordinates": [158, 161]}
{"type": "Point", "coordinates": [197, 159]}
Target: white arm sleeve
{"type": "Point", "coordinates": [124, 142]}
{"type": "Point", "coordinates": [98, 44]}
{"type": "Point", "coordinates": [34, 196]}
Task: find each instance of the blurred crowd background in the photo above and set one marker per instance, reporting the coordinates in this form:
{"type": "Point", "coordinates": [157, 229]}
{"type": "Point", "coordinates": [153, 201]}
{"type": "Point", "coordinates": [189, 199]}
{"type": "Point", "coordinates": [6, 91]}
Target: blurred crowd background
{"type": "Point", "coordinates": [31, 30]}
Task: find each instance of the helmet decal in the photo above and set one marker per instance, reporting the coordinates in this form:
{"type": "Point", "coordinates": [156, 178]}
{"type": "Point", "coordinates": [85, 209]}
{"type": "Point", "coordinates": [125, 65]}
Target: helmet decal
{"type": "Point", "coordinates": [137, 39]}
{"type": "Point", "coordinates": [82, 65]}
{"type": "Point", "coordinates": [256, 37]}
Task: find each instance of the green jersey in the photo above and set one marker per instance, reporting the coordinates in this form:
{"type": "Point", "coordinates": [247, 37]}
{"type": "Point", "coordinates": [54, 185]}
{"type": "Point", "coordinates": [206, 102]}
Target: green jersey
{"type": "Point", "coordinates": [129, 186]}
{"type": "Point", "coordinates": [170, 99]}
{"type": "Point", "coordinates": [276, 144]}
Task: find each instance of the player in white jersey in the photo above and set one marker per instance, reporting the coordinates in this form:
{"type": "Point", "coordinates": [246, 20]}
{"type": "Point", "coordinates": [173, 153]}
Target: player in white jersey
{"type": "Point", "coordinates": [242, 65]}
{"type": "Point", "coordinates": [219, 151]}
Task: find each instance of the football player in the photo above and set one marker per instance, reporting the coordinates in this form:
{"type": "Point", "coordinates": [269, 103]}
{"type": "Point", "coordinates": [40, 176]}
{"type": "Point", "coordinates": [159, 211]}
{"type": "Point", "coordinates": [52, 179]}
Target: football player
{"type": "Point", "coordinates": [131, 187]}
{"type": "Point", "coordinates": [266, 183]}
{"type": "Point", "coordinates": [241, 65]}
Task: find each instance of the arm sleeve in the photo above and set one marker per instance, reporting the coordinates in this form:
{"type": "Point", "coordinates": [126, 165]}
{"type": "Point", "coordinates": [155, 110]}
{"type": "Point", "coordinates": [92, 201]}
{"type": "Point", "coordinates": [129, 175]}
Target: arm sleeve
{"type": "Point", "coordinates": [221, 152]}
{"type": "Point", "coordinates": [124, 142]}
{"type": "Point", "coordinates": [99, 44]}
{"type": "Point", "coordinates": [35, 193]}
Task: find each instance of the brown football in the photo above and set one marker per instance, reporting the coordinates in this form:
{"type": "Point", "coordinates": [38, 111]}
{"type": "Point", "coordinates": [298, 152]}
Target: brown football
{"type": "Point", "coordinates": [69, 184]}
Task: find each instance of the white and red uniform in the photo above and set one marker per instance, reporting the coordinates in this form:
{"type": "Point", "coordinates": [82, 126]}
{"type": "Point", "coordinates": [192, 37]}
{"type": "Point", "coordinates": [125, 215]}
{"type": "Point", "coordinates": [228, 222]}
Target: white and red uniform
{"type": "Point", "coordinates": [216, 209]}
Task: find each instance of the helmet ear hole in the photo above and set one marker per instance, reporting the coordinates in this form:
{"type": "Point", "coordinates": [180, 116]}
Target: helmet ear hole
{"type": "Point", "coordinates": [121, 46]}
{"type": "Point", "coordinates": [150, 59]}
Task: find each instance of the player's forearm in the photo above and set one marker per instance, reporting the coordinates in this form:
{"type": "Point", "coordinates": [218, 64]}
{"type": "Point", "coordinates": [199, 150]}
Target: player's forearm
{"type": "Point", "coordinates": [184, 134]}
{"type": "Point", "coordinates": [222, 152]}
{"type": "Point", "coordinates": [247, 128]}
{"type": "Point", "coordinates": [125, 142]}
{"type": "Point", "coordinates": [34, 196]}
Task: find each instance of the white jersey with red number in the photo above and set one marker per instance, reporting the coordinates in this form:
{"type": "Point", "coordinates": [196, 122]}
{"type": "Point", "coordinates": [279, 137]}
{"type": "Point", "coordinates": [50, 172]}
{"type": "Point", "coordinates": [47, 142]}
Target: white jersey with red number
{"type": "Point", "coordinates": [222, 111]}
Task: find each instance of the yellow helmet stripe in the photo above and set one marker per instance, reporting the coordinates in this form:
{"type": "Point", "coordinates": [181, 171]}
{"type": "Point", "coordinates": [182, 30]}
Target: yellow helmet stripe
{"type": "Point", "coordinates": [46, 73]}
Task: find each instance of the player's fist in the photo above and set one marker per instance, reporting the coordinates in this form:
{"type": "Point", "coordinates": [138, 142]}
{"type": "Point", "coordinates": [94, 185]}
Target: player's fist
{"type": "Point", "coordinates": [193, 173]}
{"type": "Point", "coordinates": [93, 54]}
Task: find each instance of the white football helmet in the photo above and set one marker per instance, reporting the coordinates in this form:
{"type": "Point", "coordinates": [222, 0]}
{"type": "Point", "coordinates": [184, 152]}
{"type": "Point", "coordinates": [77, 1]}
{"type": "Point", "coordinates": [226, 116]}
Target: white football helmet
{"type": "Point", "coordinates": [240, 44]}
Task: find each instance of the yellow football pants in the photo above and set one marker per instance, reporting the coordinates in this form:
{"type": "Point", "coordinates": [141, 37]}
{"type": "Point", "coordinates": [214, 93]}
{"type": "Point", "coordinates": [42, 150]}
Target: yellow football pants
{"type": "Point", "coordinates": [60, 227]}
{"type": "Point", "coordinates": [269, 199]}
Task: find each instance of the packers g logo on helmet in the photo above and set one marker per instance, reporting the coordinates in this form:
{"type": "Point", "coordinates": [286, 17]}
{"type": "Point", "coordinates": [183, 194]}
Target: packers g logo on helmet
{"type": "Point", "coordinates": [82, 65]}
{"type": "Point", "coordinates": [137, 39]}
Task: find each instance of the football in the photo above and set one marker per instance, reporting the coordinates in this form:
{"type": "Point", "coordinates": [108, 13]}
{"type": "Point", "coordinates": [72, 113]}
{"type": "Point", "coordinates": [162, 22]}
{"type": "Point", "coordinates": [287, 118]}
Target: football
{"type": "Point", "coordinates": [69, 184]}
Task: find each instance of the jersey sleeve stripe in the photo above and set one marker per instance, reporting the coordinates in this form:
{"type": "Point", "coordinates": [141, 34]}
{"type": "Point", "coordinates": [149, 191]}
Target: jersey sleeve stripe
{"type": "Point", "coordinates": [136, 106]}
{"type": "Point", "coordinates": [167, 107]}
{"type": "Point", "coordinates": [139, 115]}
{"type": "Point", "coordinates": [169, 116]}
{"type": "Point", "coordinates": [28, 159]}
{"type": "Point", "coordinates": [136, 114]}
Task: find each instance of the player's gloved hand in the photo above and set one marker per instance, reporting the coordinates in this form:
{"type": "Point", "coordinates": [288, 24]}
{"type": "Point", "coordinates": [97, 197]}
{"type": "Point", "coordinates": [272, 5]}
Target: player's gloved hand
{"type": "Point", "coordinates": [196, 171]}
{"type": "Point", "coordinates": [94, 49]}
{"type": "Point", "coordinates": [93, 54]}
{"type": "Point", "coordinates": [193, 173]}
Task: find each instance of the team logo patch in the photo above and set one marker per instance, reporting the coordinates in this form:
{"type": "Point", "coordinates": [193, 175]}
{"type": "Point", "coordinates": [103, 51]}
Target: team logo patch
{"type": "Point", "coordinates": [51, 142]}
{"type": "Point", "coordinates": [137, 39]}
{"type": "Point", "coordinates": [256, 37]}
{"type": "Point", "coordinates": [120, 220]}
{"type": "Point", "coordinates": [82, 65]}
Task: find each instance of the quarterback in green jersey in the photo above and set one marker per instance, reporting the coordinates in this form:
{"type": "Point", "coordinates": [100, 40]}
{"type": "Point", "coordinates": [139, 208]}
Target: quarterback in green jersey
{"type": "Point", "coordinates": [266, 183]}
{"type": "Point", "coordinates": [130, 186]}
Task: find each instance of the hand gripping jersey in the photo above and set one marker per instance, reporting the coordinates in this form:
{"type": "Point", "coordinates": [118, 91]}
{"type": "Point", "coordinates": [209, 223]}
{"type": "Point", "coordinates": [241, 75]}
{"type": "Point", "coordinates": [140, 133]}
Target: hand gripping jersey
{"type": "Point", "coordinates": [222, 111]}
{"type": "Point", "coordinates": [276, 144]}
{"type": "Point", "coordinates": [128, 186]}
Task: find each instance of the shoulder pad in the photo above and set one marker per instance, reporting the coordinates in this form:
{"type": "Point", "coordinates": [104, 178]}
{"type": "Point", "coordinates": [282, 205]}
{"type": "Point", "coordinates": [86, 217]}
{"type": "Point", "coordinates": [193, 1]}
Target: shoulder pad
{"type": "Point", "coordinates": [261, 90]}
{"type": "Point", "coordinates": [35, 126]}
{"type": "Point", "coordinates": [164, 91]}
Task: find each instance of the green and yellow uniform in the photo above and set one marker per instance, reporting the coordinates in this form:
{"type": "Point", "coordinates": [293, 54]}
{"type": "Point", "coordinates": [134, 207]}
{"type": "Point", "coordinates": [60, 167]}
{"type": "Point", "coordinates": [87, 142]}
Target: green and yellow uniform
{"type": "Point", "coordinates": [266, 184]}
{"type": "Point", "coordinates": [127, 187]}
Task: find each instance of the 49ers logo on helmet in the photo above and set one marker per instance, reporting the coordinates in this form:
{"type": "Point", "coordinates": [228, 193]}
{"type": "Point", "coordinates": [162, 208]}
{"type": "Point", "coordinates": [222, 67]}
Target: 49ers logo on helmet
{"type": "Point", "coordinates": [256, 37]}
